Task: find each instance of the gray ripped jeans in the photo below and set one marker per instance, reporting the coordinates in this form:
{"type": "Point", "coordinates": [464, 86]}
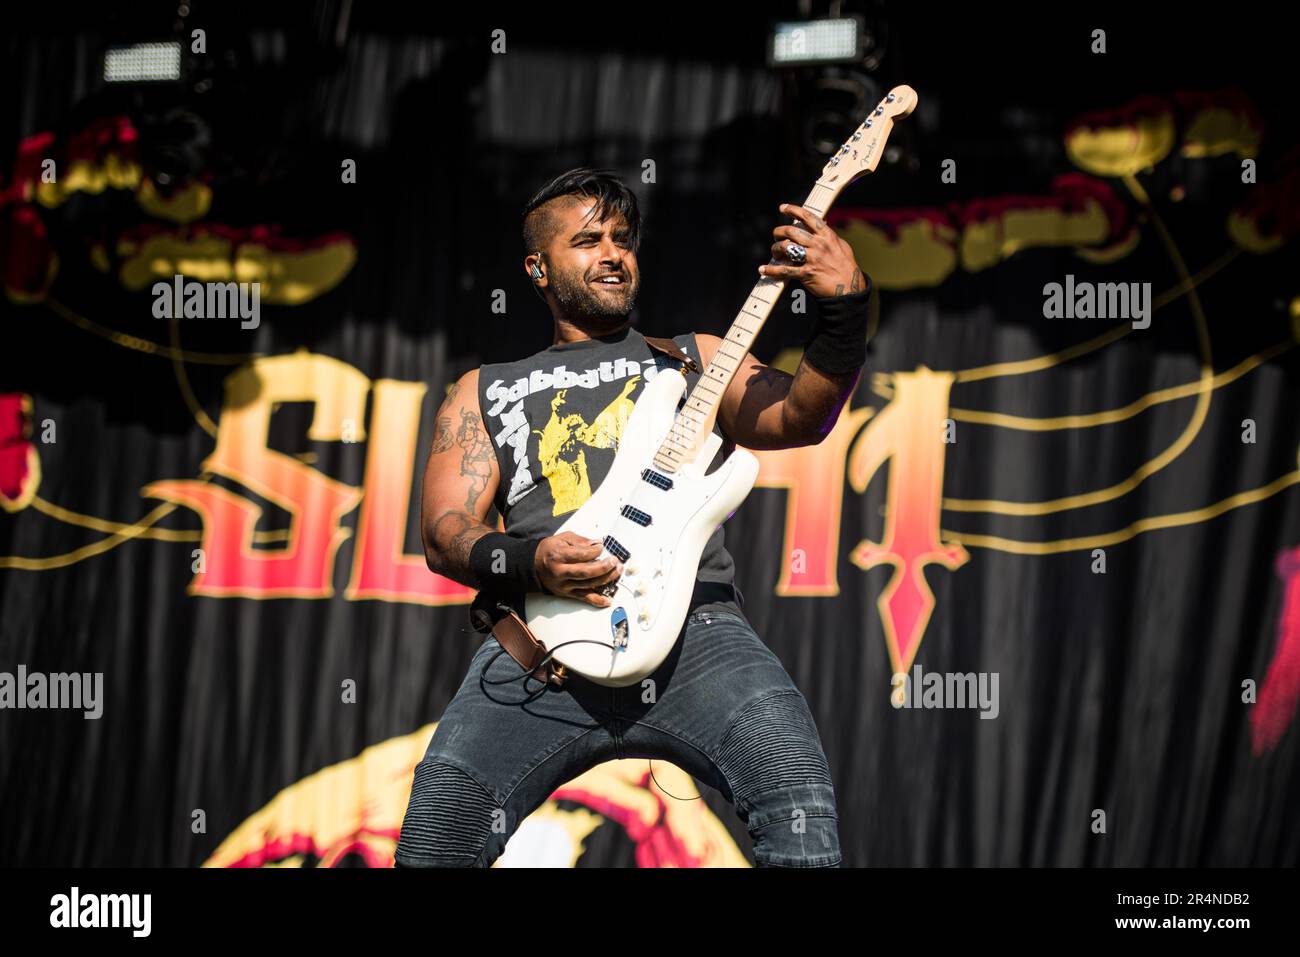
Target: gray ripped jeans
{"type": "Point", "coordinates": [725, 711]}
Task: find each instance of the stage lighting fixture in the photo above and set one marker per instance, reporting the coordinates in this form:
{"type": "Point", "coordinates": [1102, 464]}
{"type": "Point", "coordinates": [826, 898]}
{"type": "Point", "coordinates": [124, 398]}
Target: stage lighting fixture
{"type": "Point", "coordinates": [143, 63]}
{"type": "Point", "coordinates": [814, 42]}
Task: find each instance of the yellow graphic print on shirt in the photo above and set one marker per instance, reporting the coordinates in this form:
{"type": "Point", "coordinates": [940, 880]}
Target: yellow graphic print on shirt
{"type": "Point", "coordinates": [567, 434]}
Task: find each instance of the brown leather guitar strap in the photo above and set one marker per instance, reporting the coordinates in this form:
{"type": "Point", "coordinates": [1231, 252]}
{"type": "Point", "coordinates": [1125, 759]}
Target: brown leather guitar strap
{"type": "Point", "coordinates": [515, 638]}
{"type": "Point", "coordinates": [673, 349]}
{"type": "Point", "coordinates": [521, 644]}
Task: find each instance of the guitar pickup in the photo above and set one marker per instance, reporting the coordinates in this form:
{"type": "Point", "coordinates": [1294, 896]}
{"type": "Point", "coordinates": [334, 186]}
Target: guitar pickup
{"type": "Point", "coordinates": [616, 549]}
{"type": "Point", "coordinates": [636, 515]}
{"type": "Point", "coordinates": [657, 479]}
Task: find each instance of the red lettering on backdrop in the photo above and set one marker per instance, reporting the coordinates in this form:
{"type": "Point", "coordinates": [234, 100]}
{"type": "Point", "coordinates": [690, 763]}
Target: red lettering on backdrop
{"type": "Point", "coordinates": [304, 568]}
{"type": "Point", "coordinates": [813, 477]}
{"type": "Point", "coordinates": [317, 503]}
{"type": "Point", "coordinates": [1280, 692]}
{"type": "Point", "coordinates": [380, 569]}
{"type": "Point", "coordinates": [910, 432]}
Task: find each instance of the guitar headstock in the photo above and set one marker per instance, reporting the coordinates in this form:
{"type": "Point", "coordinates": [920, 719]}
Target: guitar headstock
{"type": "Point", "coordinates": [861, 152]}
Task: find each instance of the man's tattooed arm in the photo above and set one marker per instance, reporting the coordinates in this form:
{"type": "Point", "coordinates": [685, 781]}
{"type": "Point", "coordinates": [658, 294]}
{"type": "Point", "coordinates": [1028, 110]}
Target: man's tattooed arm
{"type": "Point", "coordinates": [444, 437]}
{"type": "Point", "coordinates": [456, 533]}
{"type": "Point", "coordinates": [476, 459]}
{"type": "Point", "coordinates": [460, 482]}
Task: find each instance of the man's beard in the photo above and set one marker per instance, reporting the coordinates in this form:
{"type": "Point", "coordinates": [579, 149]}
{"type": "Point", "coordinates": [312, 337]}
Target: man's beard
{"type": "Point", "coordinates": [580, 302]}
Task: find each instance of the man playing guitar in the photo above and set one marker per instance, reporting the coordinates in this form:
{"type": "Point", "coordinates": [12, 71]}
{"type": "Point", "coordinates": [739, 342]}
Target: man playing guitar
{"type": "Point", "coordinates": [533, 438]}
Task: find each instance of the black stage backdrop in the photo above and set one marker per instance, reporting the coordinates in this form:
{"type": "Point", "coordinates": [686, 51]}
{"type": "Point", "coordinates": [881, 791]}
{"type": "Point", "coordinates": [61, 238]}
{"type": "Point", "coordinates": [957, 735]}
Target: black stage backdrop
{"type": "Point", "coordinates": [222, 521]}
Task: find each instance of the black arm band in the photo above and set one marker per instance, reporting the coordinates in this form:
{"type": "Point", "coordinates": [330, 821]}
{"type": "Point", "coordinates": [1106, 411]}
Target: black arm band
{"type": "Point", "coordinates": [504, 564]}
{"type": "Point", "coordinates": [838, 344]}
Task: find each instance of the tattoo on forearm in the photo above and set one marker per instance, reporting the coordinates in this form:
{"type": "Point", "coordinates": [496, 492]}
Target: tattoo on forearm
{"type": "Point", "coordinates": [454, 535]}
{"type": "Point", "coordinates": [857, 284]}
{"type": "Point", "coordinates": [476, 458]}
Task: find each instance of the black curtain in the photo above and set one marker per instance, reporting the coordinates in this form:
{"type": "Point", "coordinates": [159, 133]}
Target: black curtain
{"type": "Point", "coordinates": [1120, 691]}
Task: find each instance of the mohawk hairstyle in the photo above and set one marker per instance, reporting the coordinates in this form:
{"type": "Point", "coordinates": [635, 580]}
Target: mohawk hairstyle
{"type": "Point", "coordinates": [611, 195]}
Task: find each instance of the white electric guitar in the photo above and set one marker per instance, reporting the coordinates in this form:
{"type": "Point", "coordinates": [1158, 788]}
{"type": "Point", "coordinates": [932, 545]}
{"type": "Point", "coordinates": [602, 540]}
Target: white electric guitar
{"type": "Point", "coordinates": [656, 509]}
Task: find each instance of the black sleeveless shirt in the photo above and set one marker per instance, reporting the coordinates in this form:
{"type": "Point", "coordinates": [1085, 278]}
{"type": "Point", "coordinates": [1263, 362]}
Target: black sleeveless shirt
{"type": "Point", "coordinates": [555, 419]}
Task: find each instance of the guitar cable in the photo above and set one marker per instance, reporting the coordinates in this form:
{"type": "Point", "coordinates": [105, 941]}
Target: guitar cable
{"type": "Point", "coordinates": [665, 790]}
{"type": "Point", "coordinates": [525, 675]}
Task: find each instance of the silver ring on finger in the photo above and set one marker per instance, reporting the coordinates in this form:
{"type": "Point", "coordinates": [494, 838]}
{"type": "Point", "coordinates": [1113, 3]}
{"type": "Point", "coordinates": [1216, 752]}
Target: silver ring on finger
{"type": "Point", "coordinates": [796, 253]}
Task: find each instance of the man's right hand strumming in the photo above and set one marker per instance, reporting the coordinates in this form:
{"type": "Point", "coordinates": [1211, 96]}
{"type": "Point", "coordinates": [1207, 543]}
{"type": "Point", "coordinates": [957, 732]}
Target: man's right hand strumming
{"type": "Point", "coordinates": [566, 565]}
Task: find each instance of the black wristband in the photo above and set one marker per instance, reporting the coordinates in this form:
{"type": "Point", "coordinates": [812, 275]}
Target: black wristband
{"type": "Point", "coordinates": [838, 344]}
{"type": "Point", "coordinates": [505, 564]}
